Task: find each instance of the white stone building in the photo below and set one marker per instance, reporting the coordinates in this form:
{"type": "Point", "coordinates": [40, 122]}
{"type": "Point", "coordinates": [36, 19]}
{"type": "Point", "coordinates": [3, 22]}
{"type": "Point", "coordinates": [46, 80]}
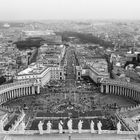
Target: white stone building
{"type": "Point", "coordinates": [42, 73]}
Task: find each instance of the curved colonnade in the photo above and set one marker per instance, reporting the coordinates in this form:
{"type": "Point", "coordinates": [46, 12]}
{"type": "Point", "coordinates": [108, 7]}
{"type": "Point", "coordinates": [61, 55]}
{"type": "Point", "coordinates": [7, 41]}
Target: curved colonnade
{"type": "Point", "coordinates": [25, 88]}
{"type": "Point", "coordinates": [108, 86]}
{"type": "Point", "coordinates": [18, 89]}
{"type": "Point", "coordinates": [121, 88]}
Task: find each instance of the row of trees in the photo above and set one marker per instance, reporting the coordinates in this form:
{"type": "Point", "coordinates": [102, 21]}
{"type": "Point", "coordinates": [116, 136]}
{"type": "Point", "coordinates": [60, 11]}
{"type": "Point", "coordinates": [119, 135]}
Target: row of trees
{"type": "Point", "coordinates": [29, 43]}
{"type": "Point", "coordinates": [2, 80]}
{"type": "Point", "coordinates": [84, 38]}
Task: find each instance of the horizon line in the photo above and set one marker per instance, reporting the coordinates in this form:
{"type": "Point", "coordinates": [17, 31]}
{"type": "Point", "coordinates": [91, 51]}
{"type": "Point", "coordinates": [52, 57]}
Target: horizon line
{"type": "Point", "coordinates": [82, 19]}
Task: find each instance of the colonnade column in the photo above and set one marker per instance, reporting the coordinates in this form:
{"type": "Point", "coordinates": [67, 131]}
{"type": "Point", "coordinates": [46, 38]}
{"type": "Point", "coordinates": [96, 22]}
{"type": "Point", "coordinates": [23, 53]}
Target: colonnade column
{"type": "Point", "coordinates": [126, 92]}
{"type": "Point", "coordinates": [10, 94]}
{"type": "Point", "coordinates": [102, 89]}
{"type": "Point", "coordinates": [107, 88]}
{"type": "Point", "coordinates": [24, 90]}
{"type": "Point", "coordinates": [38, 89]}
{"type": "Point", "coordinates": [5, 96]}
{"type": "Point", "coordinates": [123, 91]}
{"type": "Point", "coordinates": [113, 89]}
{"type": "Point", "coordinates": [16, 92]}
{"type": "Point", "coordinates": [2, 98]}
{"type": "Point", "coordinates": [132, 93]}
{"type": "Point", "coordinates": [20, 92]}
{"type": "Point", "coordinates": [33, 90]}
{"type": "Point", "coordinates": [116, 88]}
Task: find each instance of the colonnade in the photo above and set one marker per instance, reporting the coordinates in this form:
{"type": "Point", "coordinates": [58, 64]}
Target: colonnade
{"type": "Point", "coordinates": [121, 89]}
{"type": "Point", "coordinates": [19, 90]}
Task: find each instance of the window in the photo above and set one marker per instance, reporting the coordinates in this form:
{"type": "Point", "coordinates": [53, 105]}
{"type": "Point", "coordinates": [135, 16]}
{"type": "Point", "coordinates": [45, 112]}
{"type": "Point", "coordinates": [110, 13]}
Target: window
{"type": "Point", "coordinates": [78, 73]}
{"type": "Point", "coordinates": [60, 73]}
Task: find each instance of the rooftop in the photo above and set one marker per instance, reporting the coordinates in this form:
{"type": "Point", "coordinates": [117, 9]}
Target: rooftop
{"type": "Point", "coordinates": [33, 69]}
{"type": "Point", "coordinates": [99, 65]}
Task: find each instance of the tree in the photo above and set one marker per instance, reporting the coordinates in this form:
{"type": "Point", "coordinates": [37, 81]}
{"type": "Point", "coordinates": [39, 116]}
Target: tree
{"type": "Point", "coordinates": [2, 80]}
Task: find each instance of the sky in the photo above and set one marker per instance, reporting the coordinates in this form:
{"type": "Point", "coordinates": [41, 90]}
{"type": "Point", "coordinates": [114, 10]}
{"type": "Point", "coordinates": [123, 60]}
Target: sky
{"type": "Point", "coordinates": [69, 9]}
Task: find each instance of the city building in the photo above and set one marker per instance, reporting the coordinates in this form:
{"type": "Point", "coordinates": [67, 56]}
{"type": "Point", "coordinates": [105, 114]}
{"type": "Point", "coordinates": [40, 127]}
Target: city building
{"type": "Point", "coordinates": [97, 69]}
{"type": "Point", "coordinates": [41, 73]}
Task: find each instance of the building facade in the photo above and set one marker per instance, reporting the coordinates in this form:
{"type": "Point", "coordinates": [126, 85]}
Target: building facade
{"type": "Point", "coordinates": [43, 76]}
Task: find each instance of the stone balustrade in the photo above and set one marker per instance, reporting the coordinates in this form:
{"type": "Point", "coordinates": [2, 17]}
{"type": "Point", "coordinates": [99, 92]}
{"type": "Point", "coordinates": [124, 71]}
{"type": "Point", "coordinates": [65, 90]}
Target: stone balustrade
{"type": "Point", "coordinates": [41, 131]}
{"type": "Point", "coordinates": [126, 109]}
{"type": "Point", "coordinates": [18, 121]}
{"type": "Point", "coordinates": [18, 89]}
{"type": "Point", "coordinates": [133, 126]}
{"type": "Point", "coordinates": [4, 120]}
{"type": "Point", "coordinates": [131, 122]}
{"type": "Point", "coordinates": [32, 132]}
{"type": "Point", "coordinates": [7, 108]}
{"type": "Point", "coordinates": [121, 88]}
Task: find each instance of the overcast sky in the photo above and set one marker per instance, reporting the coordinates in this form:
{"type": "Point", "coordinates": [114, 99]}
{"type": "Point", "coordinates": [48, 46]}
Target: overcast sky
{"type": "Point", "coordinates": [69, 9]}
